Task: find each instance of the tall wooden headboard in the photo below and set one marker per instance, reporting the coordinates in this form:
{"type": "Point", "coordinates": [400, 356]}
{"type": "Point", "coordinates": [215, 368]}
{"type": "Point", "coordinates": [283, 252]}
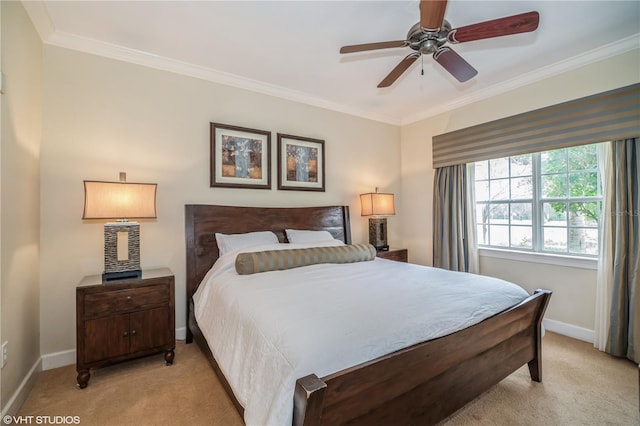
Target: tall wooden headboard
{"type": "Point", "coordinates": [203, 221]}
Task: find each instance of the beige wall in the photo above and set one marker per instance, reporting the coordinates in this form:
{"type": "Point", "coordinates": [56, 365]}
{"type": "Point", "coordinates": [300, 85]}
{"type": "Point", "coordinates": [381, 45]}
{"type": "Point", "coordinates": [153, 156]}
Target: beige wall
{"type": "Point", "coordinates": [574, 294]}
{"type": "Point", "coordinates": [20, 220]}
{"type": "Point", "coordinates": [103, 116]}
{"type": "Point", "coordinates": [574, 289]}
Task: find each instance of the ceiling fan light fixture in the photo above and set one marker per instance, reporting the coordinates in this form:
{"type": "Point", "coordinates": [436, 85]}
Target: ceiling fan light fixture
{"type": "Point", "coordinates": [432, 32]}
{"type": "Point", "coordinates": [428, 47]}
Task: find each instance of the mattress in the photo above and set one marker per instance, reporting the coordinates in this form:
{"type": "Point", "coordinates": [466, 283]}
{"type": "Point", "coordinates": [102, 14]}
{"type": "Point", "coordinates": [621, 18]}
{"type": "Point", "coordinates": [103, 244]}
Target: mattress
{"type": "Point", "coordinates": [268, 329]}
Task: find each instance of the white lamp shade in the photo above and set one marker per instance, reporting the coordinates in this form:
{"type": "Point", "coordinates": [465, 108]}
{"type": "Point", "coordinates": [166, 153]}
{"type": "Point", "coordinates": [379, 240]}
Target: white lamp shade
{"type": "Point", "coordinates": [119, 200]}
{"type": "Point", "coordinates": [376, 203]}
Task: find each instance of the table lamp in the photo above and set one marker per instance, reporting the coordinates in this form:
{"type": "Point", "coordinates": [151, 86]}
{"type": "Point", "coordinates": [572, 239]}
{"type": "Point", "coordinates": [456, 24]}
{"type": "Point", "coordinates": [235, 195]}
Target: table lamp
{"type": "Point", "coordinates": [122, 201]}
{"type": "Point", "coordinates": [376, 204]}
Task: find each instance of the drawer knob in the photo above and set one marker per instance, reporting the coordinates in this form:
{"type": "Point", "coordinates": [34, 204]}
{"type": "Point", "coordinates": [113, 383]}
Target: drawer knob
{"type": "Point", "coordinates": [133, 332]}
{"type": "Point", "coordinates": [129, 298]}
{"type": "Point", "coordinates": [125, 334]}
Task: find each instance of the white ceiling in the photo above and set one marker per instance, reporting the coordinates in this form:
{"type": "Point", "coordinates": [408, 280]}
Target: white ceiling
{"type": "Point", "coordinates": [290, 48]}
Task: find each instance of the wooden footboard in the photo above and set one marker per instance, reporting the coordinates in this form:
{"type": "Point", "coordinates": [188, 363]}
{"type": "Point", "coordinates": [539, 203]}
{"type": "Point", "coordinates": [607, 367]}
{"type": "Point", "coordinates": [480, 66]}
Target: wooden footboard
{"type": "Point", "coordinates": [427, 382]}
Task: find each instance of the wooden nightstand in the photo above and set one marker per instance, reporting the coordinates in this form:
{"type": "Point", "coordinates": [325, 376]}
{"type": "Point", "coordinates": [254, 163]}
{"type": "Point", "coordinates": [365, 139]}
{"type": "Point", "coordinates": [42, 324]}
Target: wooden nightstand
{"type": "Point", "coordinates": [124, 319]}
{"type": "Point", "coordinates": [400, 255]}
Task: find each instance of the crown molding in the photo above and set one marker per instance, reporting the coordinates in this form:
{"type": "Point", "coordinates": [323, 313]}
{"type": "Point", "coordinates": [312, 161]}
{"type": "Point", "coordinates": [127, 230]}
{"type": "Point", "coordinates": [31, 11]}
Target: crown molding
{"type": "Point", "coordinates": [121, 53]}
{"type": "Point", "coordinates": [609, 50]}
{"type": "Point", "coordinates": [40, 18]}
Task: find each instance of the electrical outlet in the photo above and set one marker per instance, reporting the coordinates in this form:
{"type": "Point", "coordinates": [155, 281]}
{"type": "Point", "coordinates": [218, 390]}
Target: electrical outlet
{"type": "Point", "coordinates": [5, 352]}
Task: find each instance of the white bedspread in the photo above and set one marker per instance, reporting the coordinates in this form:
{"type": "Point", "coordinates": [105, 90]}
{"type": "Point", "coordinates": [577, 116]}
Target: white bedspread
{"type": "Point", "coordinates": [268, 329]}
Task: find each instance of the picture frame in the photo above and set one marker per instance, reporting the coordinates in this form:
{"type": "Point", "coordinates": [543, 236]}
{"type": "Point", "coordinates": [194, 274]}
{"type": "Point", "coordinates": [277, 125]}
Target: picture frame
{"type": "Point", "coordinates": [301, 163]}
{"type": "Point", "coordinates": [240, 157]}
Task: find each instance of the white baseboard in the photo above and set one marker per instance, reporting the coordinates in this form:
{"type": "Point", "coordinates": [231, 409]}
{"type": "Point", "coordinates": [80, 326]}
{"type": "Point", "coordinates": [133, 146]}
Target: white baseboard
{"type": "Point", "coordinates": [64, 358]}
{"type": "Point", "coordinates": [181, 333]}
{"type": "Point", "coordinates": [58, 359]}
{"type": "Point", "coordinates": [569, 330]}
{"type": "Point", "coordinates": [21, 394]}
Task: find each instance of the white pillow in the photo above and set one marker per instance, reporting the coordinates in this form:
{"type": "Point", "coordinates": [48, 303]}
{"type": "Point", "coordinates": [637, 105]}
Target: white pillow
{"type": "Point", "coordinates": [328, 243]}
{"type": "Point", "coordinates": [298, 236]}
{"type": "Point", "coordinates": [230, 242]}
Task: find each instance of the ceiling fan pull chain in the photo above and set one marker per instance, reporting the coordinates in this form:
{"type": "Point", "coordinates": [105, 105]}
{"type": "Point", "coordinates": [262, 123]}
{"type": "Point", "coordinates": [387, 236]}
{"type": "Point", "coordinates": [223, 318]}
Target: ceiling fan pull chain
{"type": "Point", "coordinates": [422, 59]}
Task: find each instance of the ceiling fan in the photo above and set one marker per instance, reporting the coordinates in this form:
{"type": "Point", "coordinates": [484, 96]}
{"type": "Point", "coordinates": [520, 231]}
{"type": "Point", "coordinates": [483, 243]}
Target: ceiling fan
{"type": "Point", "coordinates": [432, 33]}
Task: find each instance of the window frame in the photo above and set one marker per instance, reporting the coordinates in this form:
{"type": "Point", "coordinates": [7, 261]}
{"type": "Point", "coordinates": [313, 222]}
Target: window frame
{"type": "Point", "coordinates": [537, 214]}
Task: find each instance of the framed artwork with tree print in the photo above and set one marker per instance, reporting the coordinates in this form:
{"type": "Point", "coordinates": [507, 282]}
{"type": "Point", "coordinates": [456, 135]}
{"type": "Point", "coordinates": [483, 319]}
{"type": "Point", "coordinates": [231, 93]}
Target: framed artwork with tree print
{"type": "Point", "coordinates": [300, 163]}
{"type": "Point", "coordinates": [240, 157]}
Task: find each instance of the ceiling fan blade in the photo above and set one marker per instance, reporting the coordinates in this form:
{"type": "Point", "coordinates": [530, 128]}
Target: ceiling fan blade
{"type": "Point", "coordinates": [452, 62]}
{"type": "Point", "coordinates": [398, 70]}
{"type": "Point", "coordinates": [432, 14]}
{"type": "Point", "coordinates": [516, 24]}
{"type": "Point", "coordinates": [373, 46]}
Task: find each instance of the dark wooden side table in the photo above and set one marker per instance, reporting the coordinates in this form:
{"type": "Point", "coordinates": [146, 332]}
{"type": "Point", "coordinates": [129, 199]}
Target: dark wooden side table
{"type": "Point", "coordinates": [399, 255]}
{"type": "Point", "coordinates": [124, 319]}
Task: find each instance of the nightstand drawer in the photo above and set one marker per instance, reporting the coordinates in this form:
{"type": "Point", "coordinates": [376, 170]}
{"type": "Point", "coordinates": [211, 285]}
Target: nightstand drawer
{"type": "Point", "coordinates": [123, 301]}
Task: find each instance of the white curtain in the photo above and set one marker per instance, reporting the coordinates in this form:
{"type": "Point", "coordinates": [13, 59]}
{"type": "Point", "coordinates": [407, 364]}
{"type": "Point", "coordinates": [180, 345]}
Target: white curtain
{"type": "Point", "coordinates": [604, 284]}
{"type": "Point", "coordinates": [474, 265]}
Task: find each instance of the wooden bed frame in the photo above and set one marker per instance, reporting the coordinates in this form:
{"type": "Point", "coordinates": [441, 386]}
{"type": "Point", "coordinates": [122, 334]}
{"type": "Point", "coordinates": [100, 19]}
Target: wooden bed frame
{"type": "Point", "coordinates": [421, 384]}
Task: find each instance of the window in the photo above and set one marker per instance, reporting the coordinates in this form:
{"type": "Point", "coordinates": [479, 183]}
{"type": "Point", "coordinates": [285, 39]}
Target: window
{"type": "Point", "coordinates": [544, 202]}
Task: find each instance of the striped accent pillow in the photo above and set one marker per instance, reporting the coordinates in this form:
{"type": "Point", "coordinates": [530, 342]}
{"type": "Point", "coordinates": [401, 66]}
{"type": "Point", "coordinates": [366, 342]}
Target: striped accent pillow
{"type": "Point", "coordinates": [278, 260]}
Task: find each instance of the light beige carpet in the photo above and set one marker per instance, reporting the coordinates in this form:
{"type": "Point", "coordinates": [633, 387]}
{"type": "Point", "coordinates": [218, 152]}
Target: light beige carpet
{"type": "Point", "coordinates": [581, 386]}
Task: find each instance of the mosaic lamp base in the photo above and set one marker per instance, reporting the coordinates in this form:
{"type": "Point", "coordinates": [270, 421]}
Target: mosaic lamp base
{"type": "Point", "coordinates": [121, 251]}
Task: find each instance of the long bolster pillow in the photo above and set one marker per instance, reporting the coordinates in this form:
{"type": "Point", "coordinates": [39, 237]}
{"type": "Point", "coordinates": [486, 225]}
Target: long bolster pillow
{"type": "Point", "coordinates": [278, 260]}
